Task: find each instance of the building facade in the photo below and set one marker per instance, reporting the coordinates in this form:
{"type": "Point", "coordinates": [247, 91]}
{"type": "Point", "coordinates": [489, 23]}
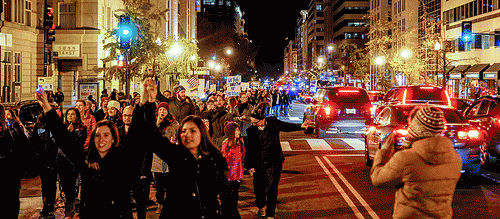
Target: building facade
{"type": "Point", "coordinates": [290, 60]}
{"type": "Point", "coordinates": [477, 62]}
{"type": "Point", "coordinates": [77, 49]}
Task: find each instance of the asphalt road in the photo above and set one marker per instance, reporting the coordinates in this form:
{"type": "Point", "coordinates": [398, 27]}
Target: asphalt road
{"type": "Point", "coordinates": [327, 178]}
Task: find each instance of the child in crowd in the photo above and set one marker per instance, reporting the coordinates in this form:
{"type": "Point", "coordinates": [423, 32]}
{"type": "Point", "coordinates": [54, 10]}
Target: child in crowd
{"type": "Point", "coordinates": [234, 151]}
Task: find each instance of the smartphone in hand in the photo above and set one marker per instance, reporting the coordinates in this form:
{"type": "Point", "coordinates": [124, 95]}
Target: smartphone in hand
{"type": "Point", "coordinates": [40, 89]}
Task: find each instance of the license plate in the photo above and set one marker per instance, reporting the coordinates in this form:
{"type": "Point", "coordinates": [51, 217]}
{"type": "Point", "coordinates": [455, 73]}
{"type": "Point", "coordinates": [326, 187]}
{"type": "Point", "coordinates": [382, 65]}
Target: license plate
{"type": "Point", "coordinates": [350, 111]}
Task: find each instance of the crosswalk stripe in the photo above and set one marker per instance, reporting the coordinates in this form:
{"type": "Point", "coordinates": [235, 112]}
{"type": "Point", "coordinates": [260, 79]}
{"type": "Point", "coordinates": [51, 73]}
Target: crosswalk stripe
{"type": "Point", "coordinates": [355, 143]}
{"type": "Point", "coordinates": [285, 146]}
{"type": "Point", "coordinates": [318, 144]}
{"type": "Point", "coordinates": [293, 118]}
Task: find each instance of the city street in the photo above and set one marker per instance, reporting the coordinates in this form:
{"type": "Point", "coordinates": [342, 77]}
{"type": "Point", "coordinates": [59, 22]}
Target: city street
{"type": "Point", "coordinates": [328, 178]}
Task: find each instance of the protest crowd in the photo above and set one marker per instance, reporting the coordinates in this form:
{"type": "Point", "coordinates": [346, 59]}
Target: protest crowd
{"type": "Point", "coordinates": [105, 158]}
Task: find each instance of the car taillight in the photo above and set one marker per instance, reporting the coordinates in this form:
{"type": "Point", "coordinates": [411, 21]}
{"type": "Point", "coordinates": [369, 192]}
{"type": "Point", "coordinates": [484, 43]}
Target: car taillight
{"type": "Point", "coordinates": [327, 110]}
{"type": "Point", "coordinates": [373, 109]}
{"type": "Point", "coordinates": [469, 134]}
{"type": "Point", "coordinates": [401, 132]}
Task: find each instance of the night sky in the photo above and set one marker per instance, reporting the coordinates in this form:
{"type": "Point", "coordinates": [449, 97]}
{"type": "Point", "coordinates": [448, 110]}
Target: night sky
{"type": "Point", "coordinates": [269, 23]}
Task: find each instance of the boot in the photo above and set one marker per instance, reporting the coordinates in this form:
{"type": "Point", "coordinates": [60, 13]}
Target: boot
{"type": "Point", "coordinates": [159, 209]}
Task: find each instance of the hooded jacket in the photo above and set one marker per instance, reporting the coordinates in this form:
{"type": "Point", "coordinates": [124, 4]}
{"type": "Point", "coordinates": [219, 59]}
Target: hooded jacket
{"type": "Point", "coordinates": [426, 176]}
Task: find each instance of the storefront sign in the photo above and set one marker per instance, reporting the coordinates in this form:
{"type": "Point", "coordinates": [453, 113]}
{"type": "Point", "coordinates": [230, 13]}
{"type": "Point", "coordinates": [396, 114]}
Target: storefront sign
{"type": "Point", "coordinates": [472, 75]}
{"type": "Point", "coordinates": [490, 76]}
{"type": "Point", "coordinates": [67, 50]}
{"type": "Point", "coordinates": [456, 76]}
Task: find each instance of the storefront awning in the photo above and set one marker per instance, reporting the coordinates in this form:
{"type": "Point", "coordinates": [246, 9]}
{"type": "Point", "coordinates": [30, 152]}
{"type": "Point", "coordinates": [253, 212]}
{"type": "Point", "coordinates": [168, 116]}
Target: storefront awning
{"type": "Point", "coordinates": [492, 72]}
{"type": "Point", "coordinates": [460, 69]}
{"type": "Point", "coordinates": [474, 71]}
{"type": "Point", "coordinates": [448, 70]}
{"type": "Point", "coordinates": [457, 72]}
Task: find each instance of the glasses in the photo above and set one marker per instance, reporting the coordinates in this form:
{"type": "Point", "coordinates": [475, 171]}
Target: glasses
{"type": "Point", "coordinates": [127, 115]}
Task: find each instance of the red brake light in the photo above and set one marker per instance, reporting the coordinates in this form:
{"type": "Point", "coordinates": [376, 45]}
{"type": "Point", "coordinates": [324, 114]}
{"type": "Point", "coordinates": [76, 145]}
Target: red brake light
{"type": "Point", "coordinates": [427, 88]}
{"type": "Point", "coordinates": [402, 132]}
{"type": "Point", "coordinates": [328, 110]}
{"type": "Point", "coordinates": [471, 134]}
{"type": "Point", "coordinates": [404, 97]}
{"type": "Point", "coordinates": [447, 97]}
{"type": "Point", "coordinates": [348, 91]}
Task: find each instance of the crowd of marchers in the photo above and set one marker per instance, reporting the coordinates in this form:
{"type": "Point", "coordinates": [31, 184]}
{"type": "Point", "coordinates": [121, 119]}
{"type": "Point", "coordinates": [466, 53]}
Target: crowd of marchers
{"type": "Point", "coordinates": [106, 158]}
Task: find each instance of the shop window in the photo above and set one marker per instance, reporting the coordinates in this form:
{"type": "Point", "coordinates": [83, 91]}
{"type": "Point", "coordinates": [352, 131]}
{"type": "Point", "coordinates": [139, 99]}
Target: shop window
{"type": "Point", "coordinates": [477, 41]}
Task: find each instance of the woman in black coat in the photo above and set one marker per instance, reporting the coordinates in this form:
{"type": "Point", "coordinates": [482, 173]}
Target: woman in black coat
{"type": "Point", "coordinates": [14, 156]}
{"type": "Point", "coordinates": [106, 170]}
{"type": "Point", "coordinates": [196, 167]}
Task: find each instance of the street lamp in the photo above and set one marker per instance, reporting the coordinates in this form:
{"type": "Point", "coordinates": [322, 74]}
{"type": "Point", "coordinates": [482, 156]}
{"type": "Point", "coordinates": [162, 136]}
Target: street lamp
{"type": "Point", "coordinates": [406, 53]}
{"type": "Point", "coordinates": [437, 47]}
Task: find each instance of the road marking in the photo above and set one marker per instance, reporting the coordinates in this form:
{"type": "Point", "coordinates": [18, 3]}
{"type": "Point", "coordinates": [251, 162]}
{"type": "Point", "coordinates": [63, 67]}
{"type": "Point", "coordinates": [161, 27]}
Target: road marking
{"type": "Point", "coordinates": [355, 143]}
{"type": "Point", "coordinates": [349, 186]}
{"type": "Point", "coordinates": [294, 118]}
{"type": "Point", "coordinates": [340, 189]}
{"type": "Point", "coordinates": [318, 144]}
{"type": "Point", "coordinates": [285, 146]}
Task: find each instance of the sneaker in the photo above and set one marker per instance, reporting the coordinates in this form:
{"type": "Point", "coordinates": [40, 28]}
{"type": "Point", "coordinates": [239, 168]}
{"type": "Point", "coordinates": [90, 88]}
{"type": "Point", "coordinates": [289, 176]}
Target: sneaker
{"type": "Point", "coordinates": [261, 212]}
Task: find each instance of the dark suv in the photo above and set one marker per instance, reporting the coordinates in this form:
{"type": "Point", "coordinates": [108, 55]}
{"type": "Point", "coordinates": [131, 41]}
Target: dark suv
{"type": "Point", "coordinates": [340, 111]}
{"type": "Point", "coordinates": [485, 113]}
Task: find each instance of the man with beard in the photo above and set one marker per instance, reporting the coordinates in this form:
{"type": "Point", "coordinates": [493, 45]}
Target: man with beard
{"type": "Point", "coordinates": [217, 118]}
{"type": "Point", "coordinates": [180, 105]}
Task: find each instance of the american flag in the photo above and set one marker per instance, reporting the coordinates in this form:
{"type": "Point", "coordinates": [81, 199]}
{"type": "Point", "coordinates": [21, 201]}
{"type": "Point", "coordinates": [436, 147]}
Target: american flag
{"type": "Point", "coordinates": [170, 59]}
{"type": "Point", "coordinates": [193, 82]}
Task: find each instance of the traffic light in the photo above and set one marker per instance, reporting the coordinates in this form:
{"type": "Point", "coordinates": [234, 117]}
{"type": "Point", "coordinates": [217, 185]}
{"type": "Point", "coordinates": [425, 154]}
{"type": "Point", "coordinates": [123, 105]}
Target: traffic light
{"type": "Point", "coordinates": [126, 31]}
{"type": "Point", "coordinates": [50, 34]}
{"type": "Point", "coordinates": [48, 17]}
{"type": "Point", "coordinates": [467, 31]}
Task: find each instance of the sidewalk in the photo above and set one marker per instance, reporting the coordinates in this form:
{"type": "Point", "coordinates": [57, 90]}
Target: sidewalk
{"type": "Point", "coordinates": [31, 203]}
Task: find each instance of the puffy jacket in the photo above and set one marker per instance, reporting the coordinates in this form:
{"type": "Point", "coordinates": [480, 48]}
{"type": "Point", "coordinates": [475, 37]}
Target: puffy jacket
{"type": "Point", "coordinates": [426, 175]}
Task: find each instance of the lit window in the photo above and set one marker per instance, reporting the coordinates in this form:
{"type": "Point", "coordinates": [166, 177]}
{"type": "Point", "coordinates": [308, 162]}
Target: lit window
{"type": "Point", "coordinates": [319, 8]}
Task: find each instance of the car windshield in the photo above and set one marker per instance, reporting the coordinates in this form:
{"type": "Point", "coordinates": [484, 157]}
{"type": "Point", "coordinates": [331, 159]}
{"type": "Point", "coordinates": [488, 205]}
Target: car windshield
{"type": "Point", "coordinates": [347, 96]}
{"type": "Point", "coordinates": [375, 96]}
{"type": "Point", "coordinates": [451, 115]}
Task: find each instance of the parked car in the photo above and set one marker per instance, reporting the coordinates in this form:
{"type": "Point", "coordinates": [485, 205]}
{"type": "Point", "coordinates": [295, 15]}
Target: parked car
{"type": "Point", "coordinates": [338, 111]}
{"type": "Point", "coordinates": [466, 138]}
{"type": "Point", "coordinates": [485, 113]}
{"type": "Point", "coordinates": [461, 103]}
{"type": "Point", "coordinates": [27, 111]}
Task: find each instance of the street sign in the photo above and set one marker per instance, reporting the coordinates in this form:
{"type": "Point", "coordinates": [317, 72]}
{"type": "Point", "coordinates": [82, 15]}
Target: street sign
{"type": "Point", "coordinates": [46, 82]}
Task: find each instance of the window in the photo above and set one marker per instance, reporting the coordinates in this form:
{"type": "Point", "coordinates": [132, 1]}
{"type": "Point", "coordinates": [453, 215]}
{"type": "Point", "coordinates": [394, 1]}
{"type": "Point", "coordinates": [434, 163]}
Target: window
{"type": "Point", "coordinates": [228, 3]}
{"type": "Point", "coordinates": [17, 67]}
{"type": "Point", "coordinates": [28, 13]}
{"type": "Point", "coordinates": [19, 11]}
{"type": "Point", "coordinates": [221, 2]}
{"type": "Point", "coordinates": [7, 69]}
{"type": "Point", "coordinates": [209, 2]}
{"type": "Point", "coordinates": [404, 5]}
{"type": "Point", "coordinates": [319, 7]}
{"type": "Point", "coordinates": [319, 30]}
{"type": "Point", "coordinates": [67, 15]}
{"type": "Point", "coordinates": [486, 42]}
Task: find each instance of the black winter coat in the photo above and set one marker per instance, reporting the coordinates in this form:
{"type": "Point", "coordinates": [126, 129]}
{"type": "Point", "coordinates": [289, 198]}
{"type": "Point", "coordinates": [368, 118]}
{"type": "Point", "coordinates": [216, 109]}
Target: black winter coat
{"type": "Point", "coordinates": [264, 147]}
{"type": "Point", "coordinates": [105, 192]}
{"type": "Point", "coordinates": [193, 185]}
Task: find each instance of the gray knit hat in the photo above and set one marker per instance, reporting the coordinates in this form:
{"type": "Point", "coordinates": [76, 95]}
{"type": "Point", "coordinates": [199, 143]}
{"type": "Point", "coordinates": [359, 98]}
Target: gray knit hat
{"type": "Point", "coordinates": [427, 122]}
{"type": "Point", "coordinates": [178, 88]}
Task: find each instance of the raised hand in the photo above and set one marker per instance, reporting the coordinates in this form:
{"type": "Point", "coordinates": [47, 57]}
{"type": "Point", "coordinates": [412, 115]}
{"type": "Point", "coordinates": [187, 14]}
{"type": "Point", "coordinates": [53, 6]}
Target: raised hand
{"type": "Point", "coordinates": [43, 101]}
